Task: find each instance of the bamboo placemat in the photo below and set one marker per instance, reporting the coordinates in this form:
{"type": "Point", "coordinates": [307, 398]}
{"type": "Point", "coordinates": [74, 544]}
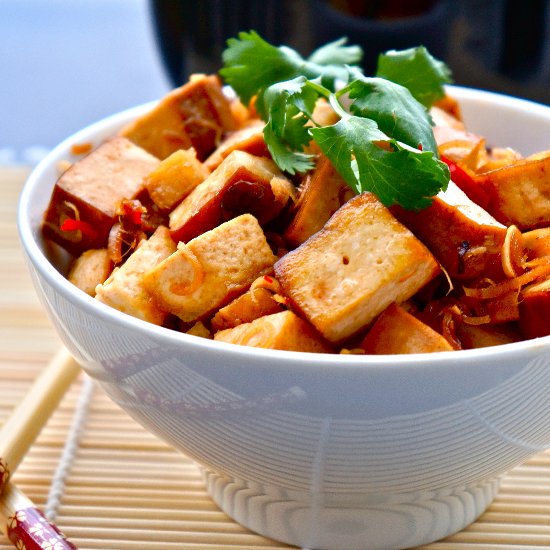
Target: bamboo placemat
{"type": "Point", "coordinates": [109, 484]}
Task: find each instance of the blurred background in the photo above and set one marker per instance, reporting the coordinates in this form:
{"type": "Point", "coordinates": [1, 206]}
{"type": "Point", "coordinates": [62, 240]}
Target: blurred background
{"type": "Point", "coordinates": [67, 63]}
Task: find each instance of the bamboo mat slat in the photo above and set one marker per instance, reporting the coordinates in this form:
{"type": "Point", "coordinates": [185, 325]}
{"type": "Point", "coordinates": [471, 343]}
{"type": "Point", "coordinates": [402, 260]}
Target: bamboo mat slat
{"type": "Point", "coordinates": [107, 502]}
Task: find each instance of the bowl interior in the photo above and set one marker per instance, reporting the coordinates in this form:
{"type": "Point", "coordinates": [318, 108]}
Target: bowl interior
{"type": "Point", "coordinates": [503, 120]}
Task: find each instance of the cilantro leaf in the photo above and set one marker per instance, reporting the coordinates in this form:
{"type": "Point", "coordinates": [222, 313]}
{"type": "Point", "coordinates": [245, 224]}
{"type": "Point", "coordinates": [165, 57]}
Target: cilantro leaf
{"type": "Point", "coordinates": [369, 161]}
{"type": "Point", "coordinates": [339, 141]}
{"type": "Point", "coordinates": [336, 53]}
{"type": "Point", "coordinates": [286, 159]}
{"type": "Point", "coordinates": [418, 71]}
{"type": "Point", "coordinates": [251, 65]}
{"type": "Point", "coordinates": [394, 109]}
{"type": "Point", "coordinates": [290, 106]}
{"type": "Point", "coordinates": [335, 62]}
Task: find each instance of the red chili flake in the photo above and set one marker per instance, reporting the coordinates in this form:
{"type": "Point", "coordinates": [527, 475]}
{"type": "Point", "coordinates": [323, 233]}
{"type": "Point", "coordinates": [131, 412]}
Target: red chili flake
{"type": "Point", "coordinates": [131, 211]}
{"type": "Point", "coordinates": [268, 279]}
{"type": "Point", "coordinates": [135, 216]}
{"type": "Point", "coordinates": [78, 225]}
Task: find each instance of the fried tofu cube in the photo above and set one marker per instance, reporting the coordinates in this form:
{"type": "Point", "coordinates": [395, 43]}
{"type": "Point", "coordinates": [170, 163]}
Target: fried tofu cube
{"type": "Point", "coordinates": [89, 191]}
{"type": "Point", "coordinates": [124, 289]}
{"type": "Point", "coordinates": [195, 115]}
{"type": "Point", "coordinates": [211, 270]}
{"type": "Point", "coordinates": [362, 260]}
{"type": "Point", "coordinates": [175, 177]}
{"type": "Point", "coordinates": [484, 336]}
{"type": "Point", "coordinates": [249, 138]}
{"type": "Point", "coordinates": [323, 115]}
{"type": "Point", "coordinates": [253, 304]}
{"type": "Point", "coordinates": [465, 239]}
{"type": "Point", "coordinates": [199, 329]}
{"type": "Point", "coordinates": [520, 193]}
{"type": "Point", "coordinates": [443, 119]}
{"type": "Point", "coordinates": [396, 331]}
{"type": "Point", "coordinates": [281, 331]}
{"type": "Point", "coordinates": [90, 269]}
{"type": "Point", "coordinates": [242, 183]}
{"type": "Point", "coordinates": [323, 193]}
{"type": "Point", "coordinates": [450, 105]}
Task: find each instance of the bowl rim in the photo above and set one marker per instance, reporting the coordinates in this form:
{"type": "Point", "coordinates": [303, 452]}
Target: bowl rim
{"type": "Point", "coordinates": [36, 256]}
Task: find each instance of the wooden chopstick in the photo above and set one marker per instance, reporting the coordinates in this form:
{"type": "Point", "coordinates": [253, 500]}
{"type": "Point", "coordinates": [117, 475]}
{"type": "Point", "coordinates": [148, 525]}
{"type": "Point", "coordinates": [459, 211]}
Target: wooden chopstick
{"type": "Point", "coordinates": [20, 519]}
{"type": "Point", "coordinates": [29, 417]}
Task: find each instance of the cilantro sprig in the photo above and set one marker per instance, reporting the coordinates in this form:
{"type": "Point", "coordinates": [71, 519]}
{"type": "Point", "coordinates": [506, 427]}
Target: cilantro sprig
{"type": "Point", "coordinates": [251, 65]}
{"type": "Point", "coordinates": [382, 143]}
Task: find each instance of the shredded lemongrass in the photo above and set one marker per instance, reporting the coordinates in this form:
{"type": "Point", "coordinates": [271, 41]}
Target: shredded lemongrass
{"type": "Point", "coordinates": [182, 289]}
{"type": "Point", "coordinates": [500, 289]}
{"type": "Point", "coordinates": [512, 254]}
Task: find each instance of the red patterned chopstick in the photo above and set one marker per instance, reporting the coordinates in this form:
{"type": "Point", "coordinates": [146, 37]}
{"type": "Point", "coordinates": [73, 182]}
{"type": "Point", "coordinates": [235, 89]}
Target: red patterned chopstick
{"type": "Point", "coordinates": [22, 522]}
{"type": "Point", "coordinates": [25, 525]}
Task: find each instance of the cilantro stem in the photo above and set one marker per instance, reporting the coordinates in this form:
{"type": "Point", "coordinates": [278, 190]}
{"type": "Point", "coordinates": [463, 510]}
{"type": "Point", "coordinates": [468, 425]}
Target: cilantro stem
{"type": "Point", "coordinates": [337, 106]}
{"type": "Point", "coordinates": [321, 90]}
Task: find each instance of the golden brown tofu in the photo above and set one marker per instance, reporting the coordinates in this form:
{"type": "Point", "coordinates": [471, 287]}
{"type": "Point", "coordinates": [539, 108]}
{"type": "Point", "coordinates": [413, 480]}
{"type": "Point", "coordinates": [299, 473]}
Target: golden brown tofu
{"type": "Point", "coordinates": [345, 275]}
{"type": "Point", "coordinates": [282, 331]}
{"type": "Point", "coordinates": [241, 114]}
{"type": "Point", "coordinates": [211, 270]}
{"type": "Point", "coordinates": [195, 115]}
{"type": "Point", "coordinates": [465, 239]}
{"type": "Point", "coordinates": [323, 115]}
{"type": "Point", "coordinates": [124, 289]}
{"type": "Point", "coordinates": [250, 138]}
{"type": "Point", "coordinates": [175, 177]}
{"type": "Point", "coordinates": [89, 191]}
{"type": "Point", "coordinates": [483, 336]}
{"type": "Point", "coordinates": [323, 193]}
{"type": "Point", "coordinates": [253, 304]}
{"type": "Point", "coordinates": [397, 332]}
{"type": "Point", "coordinates": [242, 183]}
{"type": "Point", "coordinates": [199, 329]}
{"type": "Point", "coordinates": [90, 269]}
{"type": "Point", "coordinates": [443, 119]}
{"type": "Point", "coordinates": [497, 157]}
{"type": "Point", "coordinates": [450, 105]}
{"type": "Point", "coordinates": [520, 193]}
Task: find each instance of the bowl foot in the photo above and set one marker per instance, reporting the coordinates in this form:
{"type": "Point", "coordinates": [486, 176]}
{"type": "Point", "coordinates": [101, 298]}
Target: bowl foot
{"type": "Point", "coordinates": [351, 522]}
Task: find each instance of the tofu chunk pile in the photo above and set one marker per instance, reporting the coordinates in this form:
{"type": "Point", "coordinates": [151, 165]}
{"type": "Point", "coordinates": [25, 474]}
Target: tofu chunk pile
{"type": "Point", "coordinates": [183, 220]}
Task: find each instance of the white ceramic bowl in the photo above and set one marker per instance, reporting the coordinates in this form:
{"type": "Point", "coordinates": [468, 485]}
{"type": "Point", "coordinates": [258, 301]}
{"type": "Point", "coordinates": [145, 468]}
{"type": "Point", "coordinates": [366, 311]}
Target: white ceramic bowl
{"type": "Point", "coordinates": [320, 451]}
